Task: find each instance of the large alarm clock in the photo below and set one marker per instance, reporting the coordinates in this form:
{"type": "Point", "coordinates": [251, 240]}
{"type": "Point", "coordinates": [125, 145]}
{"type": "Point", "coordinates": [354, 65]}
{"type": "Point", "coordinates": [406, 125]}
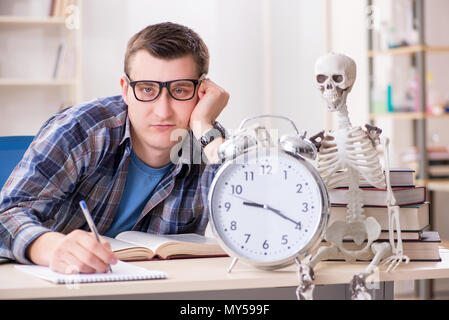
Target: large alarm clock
{"type": "Point", "coordinates": [268, 205]}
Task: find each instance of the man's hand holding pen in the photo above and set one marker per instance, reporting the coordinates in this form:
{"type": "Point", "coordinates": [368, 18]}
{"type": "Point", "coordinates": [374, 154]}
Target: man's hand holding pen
{"type": "Point", "coordinates": [77, 252]}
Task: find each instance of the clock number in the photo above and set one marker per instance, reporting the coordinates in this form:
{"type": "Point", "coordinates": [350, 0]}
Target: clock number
{"type": "Point", "coordinates": [249, 175]}
{"type": "Point", "coordinates": [266, 169]}
{"type": "Point", "coordinates": [247, 235]}
{"type": "Point", "coordinates": [285, 174]}
{"type": "Point", "coordinates": [227, 206]}
{"type": "Point", "coordinates": [305, 207]}
{"type": "Point", "coordinates": [299, 186]}
{"type": "Point", "coordinates": [284, 239]}
{"type": "Point", "coordinates": [233, 225]}
{"type": "Point", "coordinates": [298, 226]}
{"type": "Point", "coordinates": [265, 245]}
{"type": "Point", "coordinates": [236, 189]}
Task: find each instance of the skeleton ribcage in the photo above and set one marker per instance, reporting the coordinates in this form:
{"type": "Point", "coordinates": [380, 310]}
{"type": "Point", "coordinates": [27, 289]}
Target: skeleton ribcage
{"type": "Point", "coordinates": [349, 148]}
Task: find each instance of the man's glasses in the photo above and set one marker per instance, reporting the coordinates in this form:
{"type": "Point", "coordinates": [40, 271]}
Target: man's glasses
{"type": "Point", "coordinates": [149, 90]}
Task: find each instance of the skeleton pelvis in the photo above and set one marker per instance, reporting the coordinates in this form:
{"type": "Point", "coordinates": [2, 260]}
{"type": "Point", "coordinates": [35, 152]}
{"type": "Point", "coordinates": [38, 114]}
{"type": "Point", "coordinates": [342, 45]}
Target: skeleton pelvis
{"type": "Point", "coordinates": [357, 231]}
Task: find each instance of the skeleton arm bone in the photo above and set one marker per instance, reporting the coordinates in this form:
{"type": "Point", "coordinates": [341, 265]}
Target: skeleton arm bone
{"type": "Point", "coordinates": [393, 217]}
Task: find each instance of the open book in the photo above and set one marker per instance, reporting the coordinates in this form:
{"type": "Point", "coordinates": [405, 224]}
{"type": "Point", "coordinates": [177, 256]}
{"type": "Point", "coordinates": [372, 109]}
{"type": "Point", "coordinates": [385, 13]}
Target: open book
{"type": "Point", "coordinates": [136, 245]}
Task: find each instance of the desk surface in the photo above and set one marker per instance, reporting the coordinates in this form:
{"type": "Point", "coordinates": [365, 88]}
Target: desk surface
{"type": "Point", "coordinates": [206, 274]}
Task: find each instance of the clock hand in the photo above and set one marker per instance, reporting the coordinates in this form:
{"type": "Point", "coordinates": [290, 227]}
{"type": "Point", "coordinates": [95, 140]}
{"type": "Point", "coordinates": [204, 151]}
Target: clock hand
{"type": "Point", "coordinates": [253, 204]}
{"type": "Point", "coordinates": [267, 207]}
{"type": "Point", "coordinates": [264, 206]}
{"type": "Point", "coordinates": [280, 214]}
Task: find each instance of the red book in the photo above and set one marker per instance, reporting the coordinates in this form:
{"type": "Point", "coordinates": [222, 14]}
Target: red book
{"type": "Point", "coordinates": [377, 197]}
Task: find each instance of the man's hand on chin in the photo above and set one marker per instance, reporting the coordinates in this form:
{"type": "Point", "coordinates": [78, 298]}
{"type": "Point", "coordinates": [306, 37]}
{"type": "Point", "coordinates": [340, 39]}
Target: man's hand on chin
{"type": "Point", "coordinates": [212, 101]}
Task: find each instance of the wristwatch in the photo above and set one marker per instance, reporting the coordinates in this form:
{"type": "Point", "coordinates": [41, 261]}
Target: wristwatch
{"type": "Point", "coordinates": [217, 131]}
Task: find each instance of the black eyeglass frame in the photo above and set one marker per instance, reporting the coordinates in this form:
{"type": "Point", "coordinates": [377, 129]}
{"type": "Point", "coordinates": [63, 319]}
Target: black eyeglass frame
{"type": "Point", "coordinates": [166, 85]}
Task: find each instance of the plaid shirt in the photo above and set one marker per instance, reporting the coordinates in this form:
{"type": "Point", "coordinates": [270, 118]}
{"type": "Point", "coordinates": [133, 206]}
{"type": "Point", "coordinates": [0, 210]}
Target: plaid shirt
{"type": "Point", "coordinates": [82, 153]}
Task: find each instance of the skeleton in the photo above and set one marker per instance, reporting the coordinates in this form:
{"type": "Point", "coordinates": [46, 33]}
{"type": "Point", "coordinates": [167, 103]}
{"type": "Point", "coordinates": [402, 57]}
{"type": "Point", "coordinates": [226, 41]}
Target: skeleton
{"type": "Point", "coordinates": [347, 154]}
{"type": "Point", "coordinates": [358, 288]}
{"type": "Point", "coordinates": [306, 285]}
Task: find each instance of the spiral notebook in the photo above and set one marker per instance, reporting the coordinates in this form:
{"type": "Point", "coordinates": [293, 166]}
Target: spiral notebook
{"type": "Point", "coordinates": [121, 271]}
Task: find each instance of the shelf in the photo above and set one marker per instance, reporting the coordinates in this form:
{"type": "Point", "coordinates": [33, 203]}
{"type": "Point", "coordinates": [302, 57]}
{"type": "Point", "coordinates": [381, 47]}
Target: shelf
{"type": "Point", "coordinates": [443, 115]}
{"type": "Point", "coordinates": [36, 82]}
{"type": "Point", "coordinates": [406, 115]}
{"type": "Point", "coordinates": [18, 20]}
{"type": "Point", "coordinates": [43, 33]}
{"type": "Point", "coordinates": [408, 50]}
{"type": "Point", "coordinates": [437, 49]}
{"type": "Point", "coordinates": [398, 115]}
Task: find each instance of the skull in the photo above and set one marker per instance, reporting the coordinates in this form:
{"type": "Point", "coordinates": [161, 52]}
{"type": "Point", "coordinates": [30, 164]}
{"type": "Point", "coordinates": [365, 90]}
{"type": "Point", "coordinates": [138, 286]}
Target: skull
{"type": "Point", "coordinates": [335, 75]}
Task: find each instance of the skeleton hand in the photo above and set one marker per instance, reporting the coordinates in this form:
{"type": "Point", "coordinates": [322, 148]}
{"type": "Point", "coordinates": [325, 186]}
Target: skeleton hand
{"type": "Point", "coordinates": [317, 139]}
{"type": "Point", "coordinates": [395, 260]}
{"type": "Point", "coordinates": [373, 134]}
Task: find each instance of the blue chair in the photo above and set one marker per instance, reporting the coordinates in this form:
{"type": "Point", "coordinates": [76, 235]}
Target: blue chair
{"type": "Point", "coordinates": [12, 149]}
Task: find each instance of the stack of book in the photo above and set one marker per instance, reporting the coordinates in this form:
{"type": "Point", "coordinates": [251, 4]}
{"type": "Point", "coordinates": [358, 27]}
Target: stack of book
{"type": "Point", "coordinates": [437, 159]}
{"type": "Point", "coordinates": [419, 243]}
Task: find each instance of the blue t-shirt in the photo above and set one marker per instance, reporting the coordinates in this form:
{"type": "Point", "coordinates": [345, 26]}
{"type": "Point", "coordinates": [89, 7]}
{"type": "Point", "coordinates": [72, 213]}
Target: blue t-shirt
{"type": "Point", "coordinates": [140, 183]}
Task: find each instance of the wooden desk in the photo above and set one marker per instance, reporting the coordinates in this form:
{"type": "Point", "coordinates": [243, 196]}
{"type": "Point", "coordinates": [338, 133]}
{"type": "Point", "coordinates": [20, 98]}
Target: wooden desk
{"type": "Point", "coordinates": [188, 278]}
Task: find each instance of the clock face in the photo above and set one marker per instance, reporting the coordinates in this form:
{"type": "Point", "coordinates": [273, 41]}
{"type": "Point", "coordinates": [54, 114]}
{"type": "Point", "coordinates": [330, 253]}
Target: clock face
{"type": "Point", "coordinates": [267, 209]}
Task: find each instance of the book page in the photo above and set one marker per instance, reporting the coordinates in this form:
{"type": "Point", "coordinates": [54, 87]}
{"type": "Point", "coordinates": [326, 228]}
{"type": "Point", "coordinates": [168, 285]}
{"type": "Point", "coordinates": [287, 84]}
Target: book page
{"type": "Point", "coordinates": [117, 245]}
{"type": "Point", "coordinates": [153, 241]}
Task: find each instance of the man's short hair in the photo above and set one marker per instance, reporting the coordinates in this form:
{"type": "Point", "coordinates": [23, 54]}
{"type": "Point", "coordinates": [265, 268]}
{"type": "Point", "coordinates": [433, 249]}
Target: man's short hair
{"type": "Point", "coordinates": [169, 40]}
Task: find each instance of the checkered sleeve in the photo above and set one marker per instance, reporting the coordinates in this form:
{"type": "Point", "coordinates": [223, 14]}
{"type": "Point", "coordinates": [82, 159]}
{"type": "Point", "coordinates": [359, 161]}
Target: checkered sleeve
{"type": "Point", "coordinates": [38, 185]}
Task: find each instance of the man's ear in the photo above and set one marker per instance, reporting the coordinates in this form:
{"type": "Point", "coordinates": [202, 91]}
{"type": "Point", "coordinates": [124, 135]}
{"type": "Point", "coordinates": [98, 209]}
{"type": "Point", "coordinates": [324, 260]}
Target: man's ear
{"type": "Point", "coordinates": [124, 85]}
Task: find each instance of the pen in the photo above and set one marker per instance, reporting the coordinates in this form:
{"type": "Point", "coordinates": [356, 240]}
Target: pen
{"type": "Point", "coordinates": [91, 223]}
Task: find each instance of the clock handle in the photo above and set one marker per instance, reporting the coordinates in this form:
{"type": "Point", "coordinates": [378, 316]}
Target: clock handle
{"type": "Point", "coordinates": [268, 116]}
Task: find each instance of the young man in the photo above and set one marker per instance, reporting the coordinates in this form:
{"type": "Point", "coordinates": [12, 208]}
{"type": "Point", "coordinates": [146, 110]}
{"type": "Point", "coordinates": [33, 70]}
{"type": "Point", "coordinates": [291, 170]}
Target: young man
{"type": "Point", "coordinates": [121, 155]}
